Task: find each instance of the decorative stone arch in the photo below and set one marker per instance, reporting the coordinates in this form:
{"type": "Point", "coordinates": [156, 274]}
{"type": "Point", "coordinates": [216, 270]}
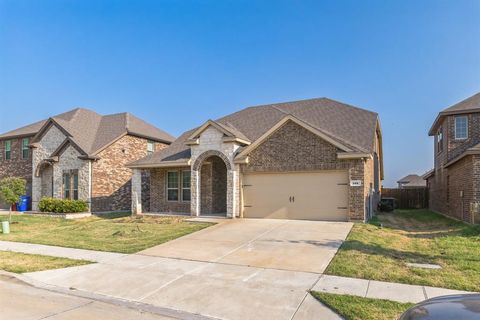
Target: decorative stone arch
{"type": "Point", "coordinates": [198, 162]}
{"type": "Point", "coordinates": [42, 164]}
{"type": "Point", "coordinates": [196, 183]}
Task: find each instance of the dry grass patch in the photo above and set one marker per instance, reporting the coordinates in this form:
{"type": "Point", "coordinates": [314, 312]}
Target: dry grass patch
{"type": "Point", "coordinates": [21, 262]}
{"type": "Point", "coordinates": [382, 248]}
{"type": "Point", "coordinates": [113, 232]}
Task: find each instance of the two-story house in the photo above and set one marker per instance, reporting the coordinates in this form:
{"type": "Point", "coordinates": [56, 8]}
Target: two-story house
{"type": "Point", "coordinates": [80, 155]}
{"type": "Point", "coordinates": [454, 183]}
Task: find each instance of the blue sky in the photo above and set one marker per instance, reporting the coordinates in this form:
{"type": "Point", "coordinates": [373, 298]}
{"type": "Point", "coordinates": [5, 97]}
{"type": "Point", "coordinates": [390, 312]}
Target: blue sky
{"type": "Point", "coordinates": [179, 63]}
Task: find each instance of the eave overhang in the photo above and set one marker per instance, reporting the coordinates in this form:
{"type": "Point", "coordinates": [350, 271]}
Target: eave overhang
{"type": "Point", "coordinates": [162, 164]}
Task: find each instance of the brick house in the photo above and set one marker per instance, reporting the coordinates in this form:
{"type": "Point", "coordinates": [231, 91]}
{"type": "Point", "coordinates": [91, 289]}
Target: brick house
{"type": "Point", "coordinates": [454, 183]}
{"type": "Point", "coordinates": [412, 181]}
{"type": "Point", "coordinates": [314, 159]}
{"type": "Point", "coordinates": [80, 155]}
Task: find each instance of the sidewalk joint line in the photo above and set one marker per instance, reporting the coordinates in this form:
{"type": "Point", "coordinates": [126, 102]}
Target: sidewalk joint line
{"type": "Point", "coordinates": [425, 292]}
{"type": "Point", "coordinates": [68, 310]}
{"type": "Point", "coordinates": [368, 288]}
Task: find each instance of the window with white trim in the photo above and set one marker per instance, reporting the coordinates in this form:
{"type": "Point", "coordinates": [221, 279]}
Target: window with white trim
{"type": "Point", "coordinates": [70, 184]}
{"type": "Point", "coordinates": [172, 185]}
{"type": "Point", "coordinates": [25, 148]}
{"type": "Point", "coordinates": [439, 140]}
{"type": "Point", "coordinates": [186, 174]}
{"type": "Point", "coordinates": [461, 127]}
{"type": "Point", "coordinates": [8, 150]}
{"type": "Point", "coordinates": [150, 146]}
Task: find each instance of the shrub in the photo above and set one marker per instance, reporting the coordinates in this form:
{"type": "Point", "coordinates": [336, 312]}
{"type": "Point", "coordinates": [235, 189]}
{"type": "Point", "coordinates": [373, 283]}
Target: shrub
{"type": "Point", "coordinates": [62, 206]}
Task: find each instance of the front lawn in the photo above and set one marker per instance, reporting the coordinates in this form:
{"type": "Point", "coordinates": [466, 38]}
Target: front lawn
{"type": "Point", "coordinates": [21, 262]}
{"type": "Point", "coordinates": [113, 232]}
{"type": "Point", "coordinates": [412, 236]}
{"type": "Point", "coordinates": [358, 308]}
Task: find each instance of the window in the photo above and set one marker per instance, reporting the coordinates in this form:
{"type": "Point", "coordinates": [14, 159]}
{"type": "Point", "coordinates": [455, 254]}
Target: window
{"type": "Point", "coordinates": [440, 140]}
{"type": "Point", "coordinates": [172, 186]}
{"type": "Point", "coordinates": [75, 186]}
{"type": "Point", "coordinates": [186, 185]}
{"type": "Point", "coordinates": [66, 186]}
{"type": "Point", "coordinates": [150, 146]}
{"type": "Point", "coordinates": [25, 149]}
{"type": "Point", "coordinates": [8, 150]}
{"type": "Point", "coordinates": [461, 127]}
{"type": "Point", "coordinates": [70, 184]}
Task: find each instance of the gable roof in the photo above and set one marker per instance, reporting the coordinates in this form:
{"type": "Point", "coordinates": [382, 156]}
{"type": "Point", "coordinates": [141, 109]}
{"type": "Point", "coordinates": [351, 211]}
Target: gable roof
{"type": "Point", "coordinates": [226, 128]}
{"type": "Point", "coordinates": [92, 132]}
{"type": "Point", "coordinates": [412, 180]}
{"type": "Point", "coordinates": [349, 126]}
{"type": "Point", "coordinates": [471, 104]}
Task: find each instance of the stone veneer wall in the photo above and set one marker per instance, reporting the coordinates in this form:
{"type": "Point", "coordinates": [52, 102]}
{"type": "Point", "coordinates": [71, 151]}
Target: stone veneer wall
{"type": "Point", "coordinates": [49, 142]}
{"type": "Point", "coordinates": [211, 144]}
{"type": "Point", "coordinates": [16, 166]}
{"type": "Point", "coordinates": [69, 161]}
{"type": "Point", "coordinates": [294, 148]}
{"type": "Point", "coordinates": [111, 180]}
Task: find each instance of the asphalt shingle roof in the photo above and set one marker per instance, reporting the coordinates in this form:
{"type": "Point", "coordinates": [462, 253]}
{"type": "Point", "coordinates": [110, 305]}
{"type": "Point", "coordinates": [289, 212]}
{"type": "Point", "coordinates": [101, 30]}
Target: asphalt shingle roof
{"type": "Point", "coordinates": [412, 180]}
{"type": "Point", "coordinates": [92, 132]}
{"type": "Point", "coordinates": [471, 104]}
{"type": "Point", "coordinates": [349, 125]}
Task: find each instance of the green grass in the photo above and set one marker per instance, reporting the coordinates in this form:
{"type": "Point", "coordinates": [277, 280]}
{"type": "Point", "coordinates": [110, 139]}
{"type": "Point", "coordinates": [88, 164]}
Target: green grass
{"type": "Point", "coordinates": [113, 232]}
{"type": "Point", "coordinates": [21, 262]}
{"type": "Point", "coordinates": [358, 308]}
{"type": "Point", "coordinates": [415, 236]}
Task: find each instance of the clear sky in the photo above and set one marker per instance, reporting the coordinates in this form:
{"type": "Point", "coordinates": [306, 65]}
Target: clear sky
{"type": "Point", "coordinates": [178, 63]}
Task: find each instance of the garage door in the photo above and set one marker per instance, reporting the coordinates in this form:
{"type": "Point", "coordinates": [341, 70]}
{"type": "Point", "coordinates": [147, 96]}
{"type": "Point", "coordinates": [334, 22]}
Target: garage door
{"type": "Point", "coordinates": [321, 195]}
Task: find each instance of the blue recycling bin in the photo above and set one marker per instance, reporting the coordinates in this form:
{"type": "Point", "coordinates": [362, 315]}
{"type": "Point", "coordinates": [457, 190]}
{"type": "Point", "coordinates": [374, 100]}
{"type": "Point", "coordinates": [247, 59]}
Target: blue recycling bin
{"type": "Point", "coordinates": [23, 204]}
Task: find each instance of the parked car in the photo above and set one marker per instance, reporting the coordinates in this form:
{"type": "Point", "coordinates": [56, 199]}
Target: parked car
{"type": "Point", "coordinates": [462, 306]}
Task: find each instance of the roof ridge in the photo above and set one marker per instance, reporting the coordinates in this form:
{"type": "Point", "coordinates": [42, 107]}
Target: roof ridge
{"type": "Point", "coordinates": [127, 121]}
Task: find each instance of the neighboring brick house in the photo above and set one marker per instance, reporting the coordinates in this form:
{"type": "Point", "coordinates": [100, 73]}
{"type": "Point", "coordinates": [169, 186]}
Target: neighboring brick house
{"type": "Point", "coordinates": [454, 183]}
{"type": "Point", "coordinates": [411, 181]}
{"type": "Point", "coordinates": [314, 159]}
{"type": "Point", "coordinates": [81, 155]}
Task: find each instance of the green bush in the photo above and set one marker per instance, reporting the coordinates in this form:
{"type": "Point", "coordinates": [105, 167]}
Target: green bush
{"type": "Point", "coordinates": [62, 206]}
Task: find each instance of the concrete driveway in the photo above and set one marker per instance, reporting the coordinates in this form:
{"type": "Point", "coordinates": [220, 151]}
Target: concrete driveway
{"type": "Point", "coordinates": [295, 245]}
{"type": "Point", "coordinates": [240, 269]}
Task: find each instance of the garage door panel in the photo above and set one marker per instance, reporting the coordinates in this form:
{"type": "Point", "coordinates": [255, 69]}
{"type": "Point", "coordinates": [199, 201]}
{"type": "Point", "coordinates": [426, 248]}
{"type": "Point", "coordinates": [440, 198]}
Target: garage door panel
{"type": "Point", "coordinates": [321, 195]}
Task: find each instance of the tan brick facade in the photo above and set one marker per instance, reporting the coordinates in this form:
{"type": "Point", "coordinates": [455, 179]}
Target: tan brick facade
{"type": "Point", "coordinates": [111, 180]}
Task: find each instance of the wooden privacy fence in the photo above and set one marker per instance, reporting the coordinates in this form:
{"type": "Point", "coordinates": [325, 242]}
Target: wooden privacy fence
{"type": "Point", "coordinates": [415, 198]}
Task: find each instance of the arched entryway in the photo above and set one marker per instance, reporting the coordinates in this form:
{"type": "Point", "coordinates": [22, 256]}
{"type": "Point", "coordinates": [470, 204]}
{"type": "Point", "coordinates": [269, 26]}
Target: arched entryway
{"type": "Point", "coordinates": [211, 180]}
{"type": "Point", "coordinates": [45, 172]}
{"type": "Point", "coordinates": [213, 187]}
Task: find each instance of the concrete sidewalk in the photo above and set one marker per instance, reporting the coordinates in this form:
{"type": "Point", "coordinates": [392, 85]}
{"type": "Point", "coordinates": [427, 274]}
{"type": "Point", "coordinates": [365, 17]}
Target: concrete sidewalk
{"type": "Point", "coordinates": [379, 289]}
{"type": "Point", "coordinates": [21, 301]}
{"type": "Point", "coordinates": [79, 254]}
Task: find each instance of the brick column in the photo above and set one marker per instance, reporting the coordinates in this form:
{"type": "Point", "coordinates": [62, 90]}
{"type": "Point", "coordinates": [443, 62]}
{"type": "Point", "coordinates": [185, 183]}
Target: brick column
{"type": "Point", "coordinates": [137, 191]}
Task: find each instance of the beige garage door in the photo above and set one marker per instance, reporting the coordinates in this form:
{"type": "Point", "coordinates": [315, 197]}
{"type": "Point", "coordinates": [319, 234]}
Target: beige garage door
{"type": "Point", "coordinates": [321, 195]}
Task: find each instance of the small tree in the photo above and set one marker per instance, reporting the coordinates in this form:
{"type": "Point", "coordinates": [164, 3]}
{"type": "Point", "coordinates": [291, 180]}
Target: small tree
{"type": "Point", "coordinates": [10, 190]}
